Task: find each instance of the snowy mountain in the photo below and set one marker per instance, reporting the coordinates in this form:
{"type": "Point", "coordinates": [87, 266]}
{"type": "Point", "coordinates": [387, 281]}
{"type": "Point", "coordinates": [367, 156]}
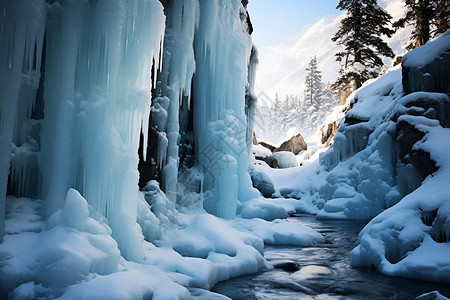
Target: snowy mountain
{"type": "Point", "coordinates": [282, 67]}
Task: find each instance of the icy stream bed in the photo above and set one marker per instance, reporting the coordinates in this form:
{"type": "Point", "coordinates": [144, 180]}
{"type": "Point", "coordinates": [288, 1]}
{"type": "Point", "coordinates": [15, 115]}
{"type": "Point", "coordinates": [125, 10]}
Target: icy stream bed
{"type": "Point", "coordinates": [325, 271]}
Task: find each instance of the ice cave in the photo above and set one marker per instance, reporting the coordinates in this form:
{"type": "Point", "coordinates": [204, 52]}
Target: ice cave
{"type": "Point", "coordinates": [151, 149]}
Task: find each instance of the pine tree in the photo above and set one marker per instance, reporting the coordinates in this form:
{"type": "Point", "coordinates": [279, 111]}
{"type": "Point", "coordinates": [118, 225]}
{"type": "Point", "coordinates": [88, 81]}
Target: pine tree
{"type": "Point", "coordinates": [313, 82]}
{"type": "Point", "coordinates": [427, 16]}
{"type": "Point", "coordinates": [360, 35]}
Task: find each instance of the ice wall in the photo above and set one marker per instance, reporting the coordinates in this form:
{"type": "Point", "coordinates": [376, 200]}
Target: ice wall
{"type": "Point", "coordinates": [222, 51]}
{"type": "Point", "coordinates": [22, 26]}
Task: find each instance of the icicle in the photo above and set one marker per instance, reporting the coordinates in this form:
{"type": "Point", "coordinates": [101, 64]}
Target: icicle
{"type": "Point", "coordinates": [222, 47]}
{"type": "Point", "coordinates": [176, 77]}
{"type": "Point", "coordinates": [22, 29]}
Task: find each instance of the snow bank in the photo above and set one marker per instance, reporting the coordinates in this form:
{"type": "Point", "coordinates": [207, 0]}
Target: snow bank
{"type": "Point", "coordinates": [70, 247]}
{"type": "Point", "coordinates": [279, 232]}
{"type": "Point", "coordinates": [410, 238]}
{"type": "Point", "coordinates": [73, 255]}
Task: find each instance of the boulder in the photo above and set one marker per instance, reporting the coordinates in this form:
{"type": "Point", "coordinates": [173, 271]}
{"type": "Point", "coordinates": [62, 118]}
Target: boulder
{"type": "Point", "coordinates": [294, 145]}
{"type": "Point", "coordinates": [288, 266]}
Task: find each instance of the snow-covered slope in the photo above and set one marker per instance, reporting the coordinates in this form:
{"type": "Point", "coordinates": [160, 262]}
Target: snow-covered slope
{"type": "Point", "coordinates": [282, 67]}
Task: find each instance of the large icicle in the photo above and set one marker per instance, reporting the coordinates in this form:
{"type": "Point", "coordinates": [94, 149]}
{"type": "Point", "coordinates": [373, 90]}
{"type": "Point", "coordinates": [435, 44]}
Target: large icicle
{"type": "Point", "coordinates": [22, 25]}
{"type": "Point", "coordinates": [222, 51]}
{"type": "Point", "coordinates": [100, 80]}
{"type": "Point", "coordinates": [175, 84]}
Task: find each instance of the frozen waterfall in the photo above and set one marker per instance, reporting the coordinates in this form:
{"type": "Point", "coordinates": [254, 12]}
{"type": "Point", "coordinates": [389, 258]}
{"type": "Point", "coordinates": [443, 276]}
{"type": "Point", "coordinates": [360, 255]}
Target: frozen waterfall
{"type": "Point", "coordinates": [78, 78]}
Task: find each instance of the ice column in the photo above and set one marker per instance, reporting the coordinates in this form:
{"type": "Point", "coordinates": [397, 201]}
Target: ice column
{"type": "Point", "coordinates": [97, 98]}
{"type": "Point", "coordinates": [22, 26]}
{"type": "Point", "coordinates": [222, 51]}
{"type": "Point", "coordinates": [250, 98]}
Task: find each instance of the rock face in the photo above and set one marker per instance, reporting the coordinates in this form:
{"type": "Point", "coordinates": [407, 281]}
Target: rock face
{"type": "Point", "coordinates": [294, 145]}
{"type": "Point", "coordinates": [389, 163]}
{"type": "Point", "coordinates": [426, 68]}
{"type": "Point", "coordinates": [328, 133]}
{"type": "Point", "coordinates": [345, 93]}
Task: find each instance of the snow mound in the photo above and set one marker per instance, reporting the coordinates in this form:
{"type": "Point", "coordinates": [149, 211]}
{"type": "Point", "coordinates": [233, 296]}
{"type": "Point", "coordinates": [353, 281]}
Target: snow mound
{"type": "Point", "coordinates": [71, 248]}
{"type": "Point", "coordinates": [283, 160]}
{"type": "Point", "coordinates": [260, 151]}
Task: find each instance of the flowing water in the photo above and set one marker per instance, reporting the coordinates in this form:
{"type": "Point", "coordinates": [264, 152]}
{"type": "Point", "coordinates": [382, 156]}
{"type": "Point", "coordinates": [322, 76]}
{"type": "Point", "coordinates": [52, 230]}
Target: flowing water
{"type": "Point", "coordinates": [324, 271]}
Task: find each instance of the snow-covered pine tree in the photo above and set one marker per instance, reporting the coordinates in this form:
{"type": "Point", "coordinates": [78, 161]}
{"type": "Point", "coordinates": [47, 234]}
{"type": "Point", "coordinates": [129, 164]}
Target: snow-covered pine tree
{"type": "Point", "coordinates": [313, 83]}
{"type": "Point", "coordinates": [276, 106]}
{"type": "Point", "coordinates": [363, 48]}
{"type": "Point", "coordinates": [329, 99]}
{"type": "Point", "coordinates": [425, 16]}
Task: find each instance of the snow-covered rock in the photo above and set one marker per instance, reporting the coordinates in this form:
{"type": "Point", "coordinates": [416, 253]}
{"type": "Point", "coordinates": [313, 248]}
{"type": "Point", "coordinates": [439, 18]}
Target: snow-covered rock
{"type": "Point", "coordinates": [262, 182]}
{"type": "Point", "coordinates": [261, 152]}
{"type": "Point", "coordinates": [282, 159]}
{"type": "Point", "coordinates": [426, 68]}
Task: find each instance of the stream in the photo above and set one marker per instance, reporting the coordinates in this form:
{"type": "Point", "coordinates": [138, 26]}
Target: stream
{"type": "Point", "coordinates": [324, 271]}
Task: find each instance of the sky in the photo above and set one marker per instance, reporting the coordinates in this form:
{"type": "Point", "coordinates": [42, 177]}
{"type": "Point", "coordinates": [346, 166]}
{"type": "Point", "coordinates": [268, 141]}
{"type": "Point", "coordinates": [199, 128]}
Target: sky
{"type": "Point", "coordinates": [274, 20]}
